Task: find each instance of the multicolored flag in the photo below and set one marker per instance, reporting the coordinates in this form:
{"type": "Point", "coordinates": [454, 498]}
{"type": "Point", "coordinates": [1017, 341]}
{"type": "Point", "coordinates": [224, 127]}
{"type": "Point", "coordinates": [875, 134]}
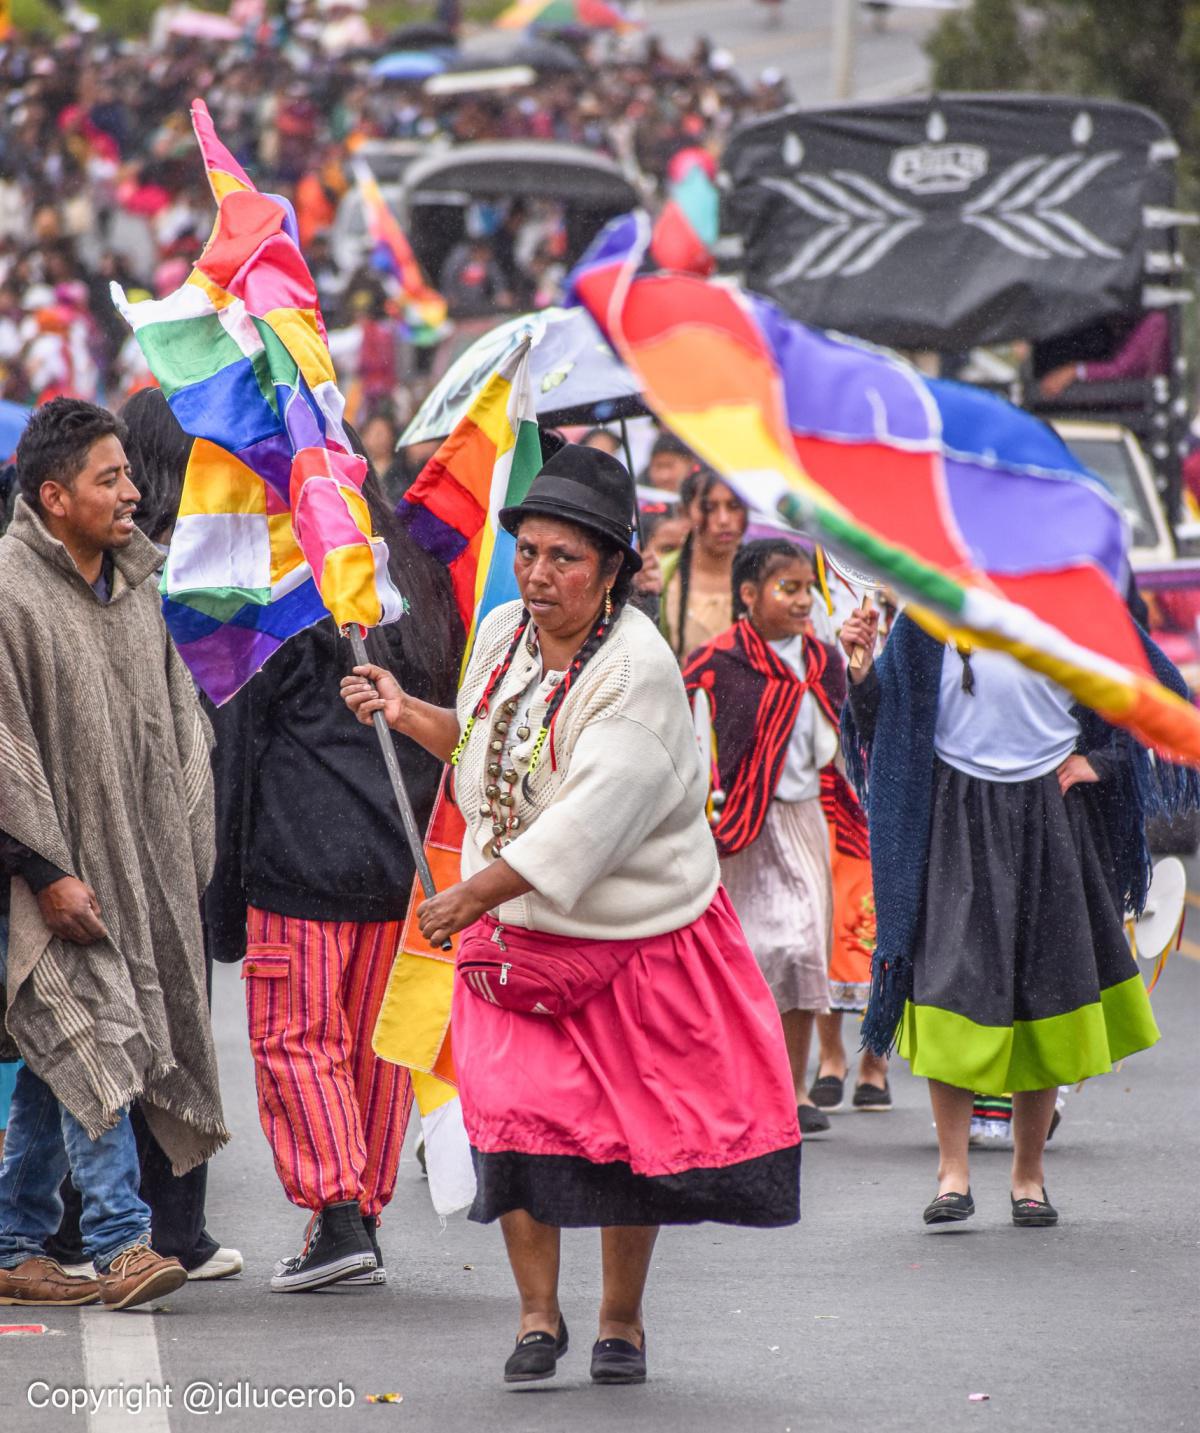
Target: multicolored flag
{"type": "Point", "coordinates": [974, 510]}
{"type": "Point", "coordinates": [391, 253]}
{"type": "Point", "coordinates": [451, 510]}
{"type": "Point", "coordinates": [273, 532]}
{"type": "Point", "coordinates": [564, 15]}
{"type": "Point", "coordinates": [686, 230]}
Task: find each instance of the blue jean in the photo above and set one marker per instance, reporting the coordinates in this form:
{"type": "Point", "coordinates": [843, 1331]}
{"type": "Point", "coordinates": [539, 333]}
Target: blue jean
{"type": "Point", "coordinates": [8, 1071]}
{"type": "Point", "coordinates": [43, 1141]}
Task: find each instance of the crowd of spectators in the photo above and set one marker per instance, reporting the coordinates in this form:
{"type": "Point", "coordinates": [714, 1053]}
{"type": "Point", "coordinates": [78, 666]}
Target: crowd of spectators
{"type": "Point", "coordinates": [100, 179]}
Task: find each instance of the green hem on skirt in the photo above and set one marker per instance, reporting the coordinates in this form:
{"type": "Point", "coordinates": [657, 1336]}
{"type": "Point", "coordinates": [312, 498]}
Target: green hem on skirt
{"type": "Point", "coordinates": [1029, 1054]}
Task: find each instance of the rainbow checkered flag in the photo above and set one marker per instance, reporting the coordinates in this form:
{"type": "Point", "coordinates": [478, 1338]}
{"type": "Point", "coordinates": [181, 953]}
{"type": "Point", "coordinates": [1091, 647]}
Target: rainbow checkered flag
{"type": "Point", "coordinates": [273, 532]}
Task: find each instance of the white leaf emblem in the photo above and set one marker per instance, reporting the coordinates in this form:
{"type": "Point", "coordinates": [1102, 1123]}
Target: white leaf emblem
{"type": "Point", "coordinates": [861, 223]}
{"type": "Point", "coordinates": [1023, 209]}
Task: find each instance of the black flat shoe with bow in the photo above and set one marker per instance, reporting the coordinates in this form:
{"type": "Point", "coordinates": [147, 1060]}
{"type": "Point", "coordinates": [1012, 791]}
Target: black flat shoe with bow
{"type": "Point", "coordinates": [616, 1360]}
{"type": "Point", "coordinates": [949, 1209]}
{"type": "Point", "coordinates": [536, 1356]}
{"type": "Point", "coordinates": [1034, 1213]}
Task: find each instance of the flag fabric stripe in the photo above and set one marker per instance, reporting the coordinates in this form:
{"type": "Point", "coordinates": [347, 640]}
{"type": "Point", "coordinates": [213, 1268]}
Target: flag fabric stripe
{"type": "Point", "coordinates": [273, 532]}
{"type": "Point", "coordinates": [905, 477]}
{"type": "Point", "coordinates": [487, 463]}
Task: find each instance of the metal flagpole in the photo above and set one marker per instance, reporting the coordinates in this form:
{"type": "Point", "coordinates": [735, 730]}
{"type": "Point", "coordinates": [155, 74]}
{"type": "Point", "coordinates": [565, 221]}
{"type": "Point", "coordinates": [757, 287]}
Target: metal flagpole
{"type": "Point", "coordinates": [637, 507]}
{"type": "Point", "coordinates": [407, 816]}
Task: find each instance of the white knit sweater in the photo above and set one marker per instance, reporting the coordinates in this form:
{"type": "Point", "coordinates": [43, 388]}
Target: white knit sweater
{"type": "Point", "coordinates": [615, 842]}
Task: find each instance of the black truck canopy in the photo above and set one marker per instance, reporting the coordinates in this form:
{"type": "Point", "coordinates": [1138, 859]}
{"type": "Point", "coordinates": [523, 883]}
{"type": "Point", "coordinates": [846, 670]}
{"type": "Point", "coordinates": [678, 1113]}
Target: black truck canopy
{"type": "Point", "coordinates": [955, 220]}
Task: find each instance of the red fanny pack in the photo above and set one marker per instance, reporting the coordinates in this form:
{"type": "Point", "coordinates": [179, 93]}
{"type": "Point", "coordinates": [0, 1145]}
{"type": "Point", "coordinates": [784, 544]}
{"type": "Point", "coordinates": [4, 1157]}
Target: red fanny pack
{"type": "Point", "coordinates": [535, 973]}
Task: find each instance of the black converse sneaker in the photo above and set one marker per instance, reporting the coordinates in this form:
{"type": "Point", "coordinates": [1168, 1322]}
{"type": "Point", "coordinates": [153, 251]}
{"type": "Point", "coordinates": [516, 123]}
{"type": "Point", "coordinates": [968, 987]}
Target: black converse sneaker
{"type": "Point", "coordinates": [377, 1275]}
{"type": "Point", "coordinates": [335, 1247]}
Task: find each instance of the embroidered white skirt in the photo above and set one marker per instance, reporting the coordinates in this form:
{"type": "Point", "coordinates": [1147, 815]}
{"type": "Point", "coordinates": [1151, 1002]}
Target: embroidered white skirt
{"type": "Point", "coordinates": [781, 886]}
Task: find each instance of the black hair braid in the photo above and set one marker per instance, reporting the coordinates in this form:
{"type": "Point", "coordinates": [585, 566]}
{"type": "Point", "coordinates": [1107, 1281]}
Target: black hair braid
{"type": "Point", "coordinates": [505, 662]}
{"type": "Point", "coordinates": [684, 571]}
{"type": "Point", "coordinates": [498, 675]}
{"type": "Point", "coordinates": [754, 560]}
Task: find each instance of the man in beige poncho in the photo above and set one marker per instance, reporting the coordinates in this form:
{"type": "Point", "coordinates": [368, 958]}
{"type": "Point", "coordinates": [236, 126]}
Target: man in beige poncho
{"type": "Point", "coordinates": [106, 810]}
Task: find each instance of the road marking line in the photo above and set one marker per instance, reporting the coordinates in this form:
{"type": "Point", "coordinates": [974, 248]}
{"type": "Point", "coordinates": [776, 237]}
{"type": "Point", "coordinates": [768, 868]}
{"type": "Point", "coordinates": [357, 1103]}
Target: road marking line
{"type": "Point", "coordinates": [121, 1347]}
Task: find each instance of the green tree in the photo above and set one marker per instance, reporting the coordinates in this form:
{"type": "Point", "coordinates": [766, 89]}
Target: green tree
{"type": "Point", "coordinates": [1144, 51]}
{"type": "Point", "coordinates": [984, 48]}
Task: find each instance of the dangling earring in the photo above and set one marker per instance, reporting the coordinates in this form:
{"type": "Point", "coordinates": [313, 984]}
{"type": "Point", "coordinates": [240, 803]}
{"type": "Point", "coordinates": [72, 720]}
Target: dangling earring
{"type": "Point", "coordinates": [608, 604]}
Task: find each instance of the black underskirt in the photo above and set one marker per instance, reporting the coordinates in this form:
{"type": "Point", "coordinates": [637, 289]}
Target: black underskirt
{"type": "Point", "coordinates": [570, 1192]}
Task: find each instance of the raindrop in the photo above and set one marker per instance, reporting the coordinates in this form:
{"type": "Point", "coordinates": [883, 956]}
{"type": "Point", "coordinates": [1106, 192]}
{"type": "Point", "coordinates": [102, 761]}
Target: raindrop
{"type": "Point", "coordinates": [1083, 128]}
{"type": "Point", "coordinates": [935, 127]}
{"type": "Point", "coordinates": [793, 150]}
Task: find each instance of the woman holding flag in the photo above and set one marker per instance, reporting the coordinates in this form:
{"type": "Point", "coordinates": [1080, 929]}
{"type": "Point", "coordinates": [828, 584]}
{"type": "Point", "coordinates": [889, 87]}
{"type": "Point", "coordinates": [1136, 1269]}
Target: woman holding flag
{"type": "Point", "coordinates": [620, 1058]}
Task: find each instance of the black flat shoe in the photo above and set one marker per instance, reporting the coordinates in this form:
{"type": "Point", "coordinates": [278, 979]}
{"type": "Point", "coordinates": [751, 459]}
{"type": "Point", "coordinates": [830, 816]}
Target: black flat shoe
{"type": "Point", "coordinates": [1034, 1213]}
{"type": "Point", "coordinates": [949, 1209]}
{"type": "Point", "coordinates": [536, 1356]}
{"type": "Point", "coordinates": [812, 1120]}
{"type": "Point", "coordinates": [828, 1093]}
{"type": "Point", "coordinates": [616, 1360]}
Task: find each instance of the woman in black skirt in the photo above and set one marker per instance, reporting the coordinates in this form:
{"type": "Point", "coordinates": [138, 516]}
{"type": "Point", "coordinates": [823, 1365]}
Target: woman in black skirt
{"type": "Point", "coordinates": [1006, 843]}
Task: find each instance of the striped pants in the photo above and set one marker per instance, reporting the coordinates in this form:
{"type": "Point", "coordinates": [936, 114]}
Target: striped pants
{"type": "Point", "coordinates": [334, 1114]}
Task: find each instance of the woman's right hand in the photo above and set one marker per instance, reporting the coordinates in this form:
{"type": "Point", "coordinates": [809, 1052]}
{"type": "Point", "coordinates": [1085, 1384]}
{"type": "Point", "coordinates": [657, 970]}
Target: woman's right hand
{"type": "Point", "coordinates": [373, 689]}
{"type": "Point", "coordinates": [858, 634]}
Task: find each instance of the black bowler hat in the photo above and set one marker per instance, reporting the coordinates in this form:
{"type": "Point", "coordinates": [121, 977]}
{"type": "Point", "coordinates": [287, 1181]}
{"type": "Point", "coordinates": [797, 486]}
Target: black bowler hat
{"type": "Point", "coordinates": [588, 487]}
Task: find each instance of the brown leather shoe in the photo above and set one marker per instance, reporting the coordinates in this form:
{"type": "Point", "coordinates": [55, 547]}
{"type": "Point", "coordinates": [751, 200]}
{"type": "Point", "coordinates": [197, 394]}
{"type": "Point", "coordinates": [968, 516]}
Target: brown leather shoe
{"type": "Point", "coordinates": [42, 1281]}
{"type": "Point", "coordinates": [138, 1275]}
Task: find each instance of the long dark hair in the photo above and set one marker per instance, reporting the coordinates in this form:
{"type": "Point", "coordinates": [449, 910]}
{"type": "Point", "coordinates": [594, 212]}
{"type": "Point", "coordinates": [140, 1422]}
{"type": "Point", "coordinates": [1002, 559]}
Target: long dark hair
{"type": "Point", "coordinates": [694, 488]}
{"type": "Point", "coordinates": [158, 450]}
{"type": "Point", "coordinates": [424, 648]}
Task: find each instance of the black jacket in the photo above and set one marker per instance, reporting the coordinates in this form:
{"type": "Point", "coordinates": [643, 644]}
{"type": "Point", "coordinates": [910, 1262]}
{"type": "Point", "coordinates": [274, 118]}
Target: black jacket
{"type": "Point", "coordinates": [306, 821]}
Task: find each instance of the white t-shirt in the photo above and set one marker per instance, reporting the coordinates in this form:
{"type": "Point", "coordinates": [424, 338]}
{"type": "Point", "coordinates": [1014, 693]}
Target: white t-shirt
{"type": "Point", "coordinates": [1016, 726]}
{"type": "Point", "coordinates": [813, 744]}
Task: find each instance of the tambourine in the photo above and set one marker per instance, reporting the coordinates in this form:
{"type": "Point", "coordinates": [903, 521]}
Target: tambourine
{"type": "Point", "coordinates": [1157, 931]}
{"type": "Point", "coordinates": [856, 577]}
{"type": "Point", "coordinates": [859, 581]}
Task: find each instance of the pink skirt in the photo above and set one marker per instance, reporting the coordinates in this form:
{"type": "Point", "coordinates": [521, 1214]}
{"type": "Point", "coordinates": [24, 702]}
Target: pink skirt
{"type": "Point", "coordinates": [666, 1098]}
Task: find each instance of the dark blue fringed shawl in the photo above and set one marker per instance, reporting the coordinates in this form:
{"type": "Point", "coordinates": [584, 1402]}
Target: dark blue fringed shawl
{"type": "Point", "coordinates": [893, 774]}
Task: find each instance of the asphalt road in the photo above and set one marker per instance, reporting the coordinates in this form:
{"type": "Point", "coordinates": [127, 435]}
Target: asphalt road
{"type": "Point", "coordinates": [890, 60]}
{"type": "Point", "coordinates": [859, 1319]}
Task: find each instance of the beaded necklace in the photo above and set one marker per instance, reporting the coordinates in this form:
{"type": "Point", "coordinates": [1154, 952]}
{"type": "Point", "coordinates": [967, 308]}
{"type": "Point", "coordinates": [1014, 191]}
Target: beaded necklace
{"type": "Point", "coordinates": [501, 803]}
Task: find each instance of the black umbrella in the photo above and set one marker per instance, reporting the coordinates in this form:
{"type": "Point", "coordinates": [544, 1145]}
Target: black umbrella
{"type": "Point", "coordinates": [421, 35]}
{"type": "Point", "coordinates": [547, 57]}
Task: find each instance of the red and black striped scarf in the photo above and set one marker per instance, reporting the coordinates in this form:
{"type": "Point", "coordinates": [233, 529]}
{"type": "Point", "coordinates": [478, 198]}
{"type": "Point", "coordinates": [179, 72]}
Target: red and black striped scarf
{"type": "Point", "coordinates": [755, 698]}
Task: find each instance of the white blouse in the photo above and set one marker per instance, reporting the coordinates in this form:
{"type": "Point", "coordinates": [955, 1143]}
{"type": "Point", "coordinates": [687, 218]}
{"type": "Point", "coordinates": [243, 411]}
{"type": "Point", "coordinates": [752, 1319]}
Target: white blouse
{"type": "Point", "coordinates": [813, 744]}
{"type": "Point", "coordinates": [1015, 726]}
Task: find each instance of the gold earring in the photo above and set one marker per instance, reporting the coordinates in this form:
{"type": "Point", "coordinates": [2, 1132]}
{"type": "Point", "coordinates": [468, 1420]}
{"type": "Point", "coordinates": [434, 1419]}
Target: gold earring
{"type": "Point", "coordinates": [608, 604]}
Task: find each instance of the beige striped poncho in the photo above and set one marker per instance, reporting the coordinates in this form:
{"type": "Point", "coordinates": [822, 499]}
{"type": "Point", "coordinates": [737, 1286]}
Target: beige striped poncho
{"type": "Point", "coordinates": [104, 771]}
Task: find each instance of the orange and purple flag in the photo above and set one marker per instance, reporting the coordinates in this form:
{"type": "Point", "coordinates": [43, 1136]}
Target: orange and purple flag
{"type": "Point", "coordinates": [974, 510]}
{"type": "Point", "coordinates": [391, 253]}
{"type": "Point", "coordinates": [452, 511]}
